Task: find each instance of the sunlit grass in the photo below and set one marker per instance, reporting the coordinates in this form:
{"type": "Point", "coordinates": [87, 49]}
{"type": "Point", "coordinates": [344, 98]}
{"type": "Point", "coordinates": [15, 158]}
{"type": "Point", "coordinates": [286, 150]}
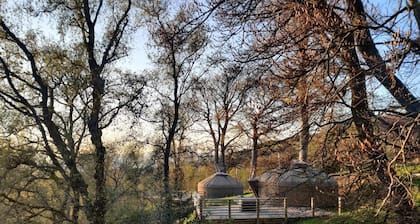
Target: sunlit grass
{"type": "Point", "coordinates": [362, 215]}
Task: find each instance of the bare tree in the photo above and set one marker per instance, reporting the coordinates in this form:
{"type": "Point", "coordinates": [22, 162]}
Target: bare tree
{"type": "Point", "coordinates": [265, 112]}
{"type": "Point", "coordinates": [336, 39]}
{"type": "Point", "coordinates": [59, 101]}
{"type": "Point", "coordinates": [177, 39]}
{"type": "Point", "coordinates": [222, 98]}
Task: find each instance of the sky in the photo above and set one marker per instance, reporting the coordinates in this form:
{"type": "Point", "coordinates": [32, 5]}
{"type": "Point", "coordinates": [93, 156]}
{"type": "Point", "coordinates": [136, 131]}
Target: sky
{"type": "Point", "coordinates": [137, 59]}
{"type": "Point", "coordinates": [410, 75]}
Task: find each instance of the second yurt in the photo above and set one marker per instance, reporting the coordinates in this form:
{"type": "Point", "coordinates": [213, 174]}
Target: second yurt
{"type": "Point", "coordinates": [298, 184]}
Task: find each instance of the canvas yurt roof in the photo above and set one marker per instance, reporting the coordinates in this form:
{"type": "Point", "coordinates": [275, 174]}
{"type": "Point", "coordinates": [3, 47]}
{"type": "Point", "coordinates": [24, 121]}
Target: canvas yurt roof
{"type": "Point", "coordinates": [299, 173]}
{"type": "Point", "coordinates": [298, 183]}
{"type": "Point", "coordinates": [219, 185]}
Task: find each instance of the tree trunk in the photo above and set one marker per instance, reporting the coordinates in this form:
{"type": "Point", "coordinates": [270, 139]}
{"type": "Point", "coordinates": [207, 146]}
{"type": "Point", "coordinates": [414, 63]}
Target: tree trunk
{"type": "Point", "coordinates": [377, 65]}
{"type": "Point", "coordinates": [167, 213]}
{"type": "Point", "coordinates": [304, 135]}
{"type": "Point", "coordinates": [254, 152]}
{"type": "Point", "coordinates": [222, 162]}
{"type": "Point", "coordinates": [304, 101]}
{"type": "Point", "coordinates": [416, 9]}
{"type": "Point", "coordinates": [178, 172]}
{"type": "Point", "coordinates": [367, 47]}
{"type": "Point", "coordinates": [76, 207]}
{"type": "Point", "coordinates": [216, 157]}
{"type": "Point", "coordinates": [98, 85]}
{"type": "Point", "coordinates": [223, 147]}
{"type": "Point", "coordinates": [376, 154]}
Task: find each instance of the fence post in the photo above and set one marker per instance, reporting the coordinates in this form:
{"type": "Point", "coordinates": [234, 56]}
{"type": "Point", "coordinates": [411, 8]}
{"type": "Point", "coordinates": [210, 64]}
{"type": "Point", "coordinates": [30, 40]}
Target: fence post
{"type": "Point", "coordinates": [230, 208]}
{"type": "Point", "coordinates": [339, 205]}
{"type": "Point", "coordinates": [313, 206]}
{"type": "Point", "coordinates": [258, 210]}
{"type": "Point", "coordinates": [201, 203]}
{"type": "Point", "coordinates": [285, 208]}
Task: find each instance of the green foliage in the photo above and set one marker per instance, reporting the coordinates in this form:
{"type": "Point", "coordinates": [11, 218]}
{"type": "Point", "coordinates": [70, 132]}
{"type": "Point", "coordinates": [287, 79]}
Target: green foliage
{"type": "Point", "coordinates": [416, 192]}
{"type": "Point", "coordinates": [309, 221]}
{"type": "Point", "coordinates": [195, 173]}
{"type": "Point", "coordinates": [182, 208]}
{"type": "Point", "coordinates": [192, 218]}
{"type": "Point", "coordinates": [416, 183]}
{"type": "Point", "coordinates": [241, 175]}
{"type": "Point", "coordinates": [130, 214]}
{"type": "Point", "coordinates": [361, 215]}
{"type": "Point", "coordinates": [408, 169]}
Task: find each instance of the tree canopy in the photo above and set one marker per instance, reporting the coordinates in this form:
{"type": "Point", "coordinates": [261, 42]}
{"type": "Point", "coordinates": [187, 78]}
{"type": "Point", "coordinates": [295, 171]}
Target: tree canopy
{"type": "Point", "coordinates": [231, 86]}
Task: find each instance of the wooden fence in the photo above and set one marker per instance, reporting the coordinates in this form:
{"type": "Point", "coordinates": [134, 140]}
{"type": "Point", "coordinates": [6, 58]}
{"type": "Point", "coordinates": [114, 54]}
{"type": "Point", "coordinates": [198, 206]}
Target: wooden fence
{"type": "Point", "coordinates": [257, 209]}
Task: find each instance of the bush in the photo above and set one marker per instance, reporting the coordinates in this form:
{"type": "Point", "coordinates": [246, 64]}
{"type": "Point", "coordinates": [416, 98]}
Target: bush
{"type": "Point", "coordinates": [128, 214]}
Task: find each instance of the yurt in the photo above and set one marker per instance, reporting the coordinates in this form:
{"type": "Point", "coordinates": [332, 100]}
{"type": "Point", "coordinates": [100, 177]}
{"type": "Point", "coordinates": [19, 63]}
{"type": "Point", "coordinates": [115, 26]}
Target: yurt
{"type": "Point", "coordinates": [298, 184]}
{"type": "Point", "coordinates": [219, 185]}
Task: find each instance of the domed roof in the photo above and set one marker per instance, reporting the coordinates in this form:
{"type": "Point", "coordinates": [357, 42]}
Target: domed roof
{"type": "Point", "coordinates": [298, 183]}
{"type": "Point", "coordinates": [219, 185]}
{"type": "Point", "coordinates": [298, 173]}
